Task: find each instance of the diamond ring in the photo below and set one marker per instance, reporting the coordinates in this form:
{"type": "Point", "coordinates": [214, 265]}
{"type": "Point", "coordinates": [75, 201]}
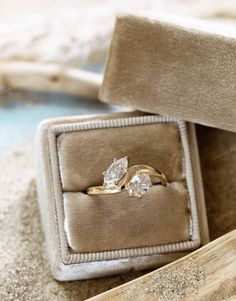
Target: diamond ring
{"type": "Point", "coordinates": [137, 179]}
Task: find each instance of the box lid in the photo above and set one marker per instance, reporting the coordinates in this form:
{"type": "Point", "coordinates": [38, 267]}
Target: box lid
{"type": "Point", "coordinates": [171, 66]}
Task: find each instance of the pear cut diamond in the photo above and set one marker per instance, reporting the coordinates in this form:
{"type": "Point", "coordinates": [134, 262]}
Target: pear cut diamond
{"type": "Point", "coordinates": [115, 171]}
{"type": "Point", "coordinates": [139, 184]}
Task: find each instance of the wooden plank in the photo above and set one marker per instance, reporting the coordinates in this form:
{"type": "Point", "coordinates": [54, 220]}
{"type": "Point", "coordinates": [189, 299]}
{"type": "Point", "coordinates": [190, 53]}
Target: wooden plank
{"type": "Point", "coordinates": [206, 274]}
{"type": "Point", "coordinates": [49, 78]}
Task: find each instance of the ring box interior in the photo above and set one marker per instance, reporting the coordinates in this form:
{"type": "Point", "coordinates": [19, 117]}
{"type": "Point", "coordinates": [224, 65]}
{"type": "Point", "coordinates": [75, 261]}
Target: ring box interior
{"type": "Point", "coordinates": [89, 236]}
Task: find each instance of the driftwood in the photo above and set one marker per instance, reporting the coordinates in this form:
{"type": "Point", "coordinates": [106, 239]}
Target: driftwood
{"type": "Point", "coordinates": [206, 274]}
{"type": "Point", "coordinates": [79, 33]}
{"type": "Point", "coordinates": [49, 78]}
{"type": "Point", "coordinates": [77, 37]}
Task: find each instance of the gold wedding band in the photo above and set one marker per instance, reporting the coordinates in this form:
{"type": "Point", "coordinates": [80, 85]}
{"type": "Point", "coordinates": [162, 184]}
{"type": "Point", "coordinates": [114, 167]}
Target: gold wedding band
{"type": "Point", "coordinates": [137, 180]}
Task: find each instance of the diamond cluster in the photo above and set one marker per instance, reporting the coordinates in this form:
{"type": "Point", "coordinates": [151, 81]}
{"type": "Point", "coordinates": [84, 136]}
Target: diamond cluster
{"type": "Point", "coordinates": [115, 172]}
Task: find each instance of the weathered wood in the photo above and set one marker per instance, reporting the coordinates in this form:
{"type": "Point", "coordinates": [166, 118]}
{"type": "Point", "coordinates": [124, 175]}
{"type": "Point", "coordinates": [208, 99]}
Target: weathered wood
{"type": "Point", "coordinates": [206, 274]}
{"type": "Point", "coordinates": [79, 33]}
{"type": "Point", "coordinates": [49, 78]}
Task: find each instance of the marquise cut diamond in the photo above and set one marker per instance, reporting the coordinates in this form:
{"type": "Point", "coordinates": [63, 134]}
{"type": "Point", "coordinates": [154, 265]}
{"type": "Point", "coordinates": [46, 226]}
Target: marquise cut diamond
{"type": "Point", "coordinates": [139, 185]}
{"type": "Point", "coordinates": [115, 171]}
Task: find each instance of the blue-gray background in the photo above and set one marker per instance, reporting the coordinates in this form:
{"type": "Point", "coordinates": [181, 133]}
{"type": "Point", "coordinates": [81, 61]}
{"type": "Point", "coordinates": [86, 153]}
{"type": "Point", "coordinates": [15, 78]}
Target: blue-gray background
{"type": "Point", "coordinates": [20, 113]}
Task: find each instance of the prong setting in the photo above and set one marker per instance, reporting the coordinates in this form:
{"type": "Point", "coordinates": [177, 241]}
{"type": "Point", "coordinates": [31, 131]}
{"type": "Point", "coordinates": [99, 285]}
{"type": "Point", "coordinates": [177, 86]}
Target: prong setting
{"type": "Point", "coordinates": [139, 184]}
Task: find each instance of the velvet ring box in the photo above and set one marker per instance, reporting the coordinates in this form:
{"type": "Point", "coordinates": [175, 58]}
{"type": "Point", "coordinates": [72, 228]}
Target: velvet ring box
{"type": "Point", "coordinates": [175, 66]}
{"type": "Point", "coordinates": [89, 236]}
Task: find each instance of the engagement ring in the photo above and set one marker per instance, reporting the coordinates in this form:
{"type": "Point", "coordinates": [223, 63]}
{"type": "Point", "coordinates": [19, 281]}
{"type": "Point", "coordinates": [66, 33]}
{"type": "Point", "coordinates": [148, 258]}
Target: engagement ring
{"type": "Point", "coordinates": [137, 179]}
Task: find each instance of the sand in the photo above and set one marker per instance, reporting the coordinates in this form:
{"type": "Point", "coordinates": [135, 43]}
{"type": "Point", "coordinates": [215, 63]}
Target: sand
{"type": "Point", "coordinates": [24, 269]}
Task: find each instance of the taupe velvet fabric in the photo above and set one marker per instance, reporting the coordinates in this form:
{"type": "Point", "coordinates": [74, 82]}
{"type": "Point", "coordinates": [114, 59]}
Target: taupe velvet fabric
{"type": "Point", "coordinates": [102, 223]}
{"type": "Point", "coordinates": [99, 223]}
{"type": "Point", "coordinates": [84, 155]}
{"type": "Point", "coordinates": [162, 66]}
{"type": "Point", "coordinates": [65, 265]}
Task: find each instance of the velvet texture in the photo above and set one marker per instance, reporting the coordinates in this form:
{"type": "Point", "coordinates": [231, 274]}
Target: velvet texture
{"type": "Point", "coordinates": [166, 67]}
{"type": "Point", "coordinates": [101, 223]}
{"type": "Point", "coordinates": [85, 155]}
{"type": "Point", "coordinates": [53, 204]}
{"type": "Point", "coordinates": [98, 223]}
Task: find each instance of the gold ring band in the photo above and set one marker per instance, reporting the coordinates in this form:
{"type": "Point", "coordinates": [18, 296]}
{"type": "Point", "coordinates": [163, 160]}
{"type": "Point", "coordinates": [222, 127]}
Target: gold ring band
{"type": "Point", "coordinates": [136, 179]}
